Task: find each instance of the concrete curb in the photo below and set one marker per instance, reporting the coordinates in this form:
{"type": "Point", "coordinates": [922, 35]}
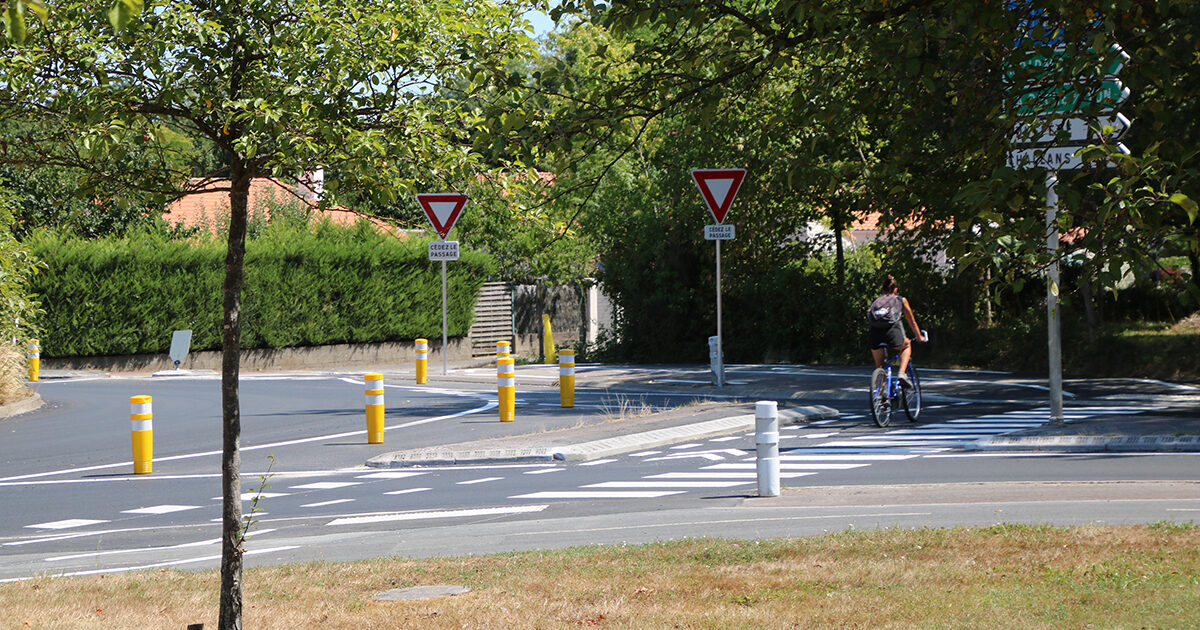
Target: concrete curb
{"type": "Point", "coordinates": [21, 406]}
{"type": "Point", "coordinates": [1089, 443]}
{"type": "Point", "coordinates": [594, 449]}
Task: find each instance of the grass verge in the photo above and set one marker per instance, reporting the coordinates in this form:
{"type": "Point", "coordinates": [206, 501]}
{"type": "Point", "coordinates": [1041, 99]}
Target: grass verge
{"type": "Point", "coordinates": [1003, 576]}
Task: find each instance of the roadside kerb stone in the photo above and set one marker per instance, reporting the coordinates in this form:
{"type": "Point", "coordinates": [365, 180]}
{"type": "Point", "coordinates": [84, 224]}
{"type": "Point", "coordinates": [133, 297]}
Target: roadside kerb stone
{"type": "Point", "coordinates": [594, 449]}
{"type": "Point", "coordinates": [1089, 443]}
{"type": "Point", "coordinates": [25, 405]}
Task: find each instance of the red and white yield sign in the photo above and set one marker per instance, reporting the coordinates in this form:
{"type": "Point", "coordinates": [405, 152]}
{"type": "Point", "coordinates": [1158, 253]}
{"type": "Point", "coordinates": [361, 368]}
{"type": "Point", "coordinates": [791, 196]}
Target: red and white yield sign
{"type": "Point", "coordinates": [719, 186]}
{"type": "Point", "coordinates": [442, 209]}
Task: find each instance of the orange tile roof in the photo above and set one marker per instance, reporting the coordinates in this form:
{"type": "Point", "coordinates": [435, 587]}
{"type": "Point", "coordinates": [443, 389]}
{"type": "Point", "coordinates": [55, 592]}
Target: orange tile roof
{"type": "Point", "coordinates": [208, 207]}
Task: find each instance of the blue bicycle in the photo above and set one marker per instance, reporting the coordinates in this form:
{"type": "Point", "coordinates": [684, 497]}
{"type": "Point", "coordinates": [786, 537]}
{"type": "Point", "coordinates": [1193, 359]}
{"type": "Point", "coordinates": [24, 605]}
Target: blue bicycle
{"type": "Point", "coordinates": [887, 393]}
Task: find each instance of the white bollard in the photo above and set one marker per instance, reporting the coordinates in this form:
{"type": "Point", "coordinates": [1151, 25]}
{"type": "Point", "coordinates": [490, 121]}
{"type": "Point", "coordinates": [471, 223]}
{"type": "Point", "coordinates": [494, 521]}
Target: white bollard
{"type": "Point", "coordinates": [766, 440]}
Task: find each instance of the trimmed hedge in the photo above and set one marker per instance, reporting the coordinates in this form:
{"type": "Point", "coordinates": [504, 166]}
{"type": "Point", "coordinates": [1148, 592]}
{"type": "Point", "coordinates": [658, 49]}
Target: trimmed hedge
{"type": "Point", "coordinates": [304, 286]}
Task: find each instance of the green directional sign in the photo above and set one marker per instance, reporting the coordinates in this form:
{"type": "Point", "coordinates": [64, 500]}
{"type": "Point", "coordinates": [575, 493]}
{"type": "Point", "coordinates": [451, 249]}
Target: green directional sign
{"type": "Point", "coordinates": [1049, 94]}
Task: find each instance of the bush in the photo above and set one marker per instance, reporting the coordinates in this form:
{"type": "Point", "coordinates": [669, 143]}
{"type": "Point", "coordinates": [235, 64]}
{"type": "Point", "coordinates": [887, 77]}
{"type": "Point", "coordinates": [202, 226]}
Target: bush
{"type": "Point", "coordinates": [304, 286]}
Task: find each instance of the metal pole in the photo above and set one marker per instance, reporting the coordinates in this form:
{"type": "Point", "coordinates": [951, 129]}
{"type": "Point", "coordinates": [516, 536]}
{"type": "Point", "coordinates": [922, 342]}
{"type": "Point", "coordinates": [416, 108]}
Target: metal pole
{"type": "Point", "coordinates": [720, 352]}
{"type": "Point", "coordinates": [444, 344]}
{"type": "Point", "coordinates": [1053, 315]}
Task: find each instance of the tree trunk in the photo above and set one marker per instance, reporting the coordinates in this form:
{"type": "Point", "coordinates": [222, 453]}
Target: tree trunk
{"type": "Point", "coordinates": [839, 225]}
{"type": "Point", "coordinates": [231, 457]}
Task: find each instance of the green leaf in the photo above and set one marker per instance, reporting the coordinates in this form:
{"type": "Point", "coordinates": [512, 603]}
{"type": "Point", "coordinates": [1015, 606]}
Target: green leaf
{"type": "Point", "coordinates": [122, 12]}
{"type": "Point", "coordinates": [14, 22]}
{"type": "Point", "coordinates": [39, 9]}
{"type": "Point", "coordinates": [1187, 203]}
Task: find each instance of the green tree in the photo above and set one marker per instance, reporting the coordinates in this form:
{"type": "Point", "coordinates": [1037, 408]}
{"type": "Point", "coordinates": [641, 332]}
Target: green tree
{"type": "Point", "coordinates": [280, 88]}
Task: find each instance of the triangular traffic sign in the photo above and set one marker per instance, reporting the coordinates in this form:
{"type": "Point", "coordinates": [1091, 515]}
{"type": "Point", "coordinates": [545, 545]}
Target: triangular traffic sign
{"type": "Point", "coordinates": [442, 209]}
{"type": "Point", "coordinates": [719, 186]}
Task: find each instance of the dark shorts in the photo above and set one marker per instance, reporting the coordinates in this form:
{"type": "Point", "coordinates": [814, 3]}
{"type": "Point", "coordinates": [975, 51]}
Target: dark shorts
{"type": "Point", "coordinates": [893, 337]}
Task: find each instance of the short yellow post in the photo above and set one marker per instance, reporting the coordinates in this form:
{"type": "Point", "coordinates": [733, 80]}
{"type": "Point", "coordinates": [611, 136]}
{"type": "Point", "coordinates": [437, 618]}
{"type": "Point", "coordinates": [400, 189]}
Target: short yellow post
{"type": "Point", "coordinates": [374, 395]}
{"type": "Point", "coordinates": [566, 377]}
{"type": "Point", "coordinates": [506, 388]}
{"type": "Point", "coordinates": [547, 339]}
{"type": "Point", "coordinates": [141, 421]}
{"type": "Point", "coordinates": [33, 353]}
{"type": "Point", "coordinates": [503, 349]}
{"type": "Point", "coordinates": [422, 350]}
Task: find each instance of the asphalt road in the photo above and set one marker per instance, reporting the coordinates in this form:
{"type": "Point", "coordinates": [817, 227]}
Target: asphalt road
{"type": "Point", "coordinates": [74, 506]}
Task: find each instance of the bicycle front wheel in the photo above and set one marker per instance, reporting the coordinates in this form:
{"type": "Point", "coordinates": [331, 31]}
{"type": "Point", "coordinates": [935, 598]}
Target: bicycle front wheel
{"type": "Point", "coordinates": [911, 397]}
{"type": "Point", "coordinates": [881, 406]}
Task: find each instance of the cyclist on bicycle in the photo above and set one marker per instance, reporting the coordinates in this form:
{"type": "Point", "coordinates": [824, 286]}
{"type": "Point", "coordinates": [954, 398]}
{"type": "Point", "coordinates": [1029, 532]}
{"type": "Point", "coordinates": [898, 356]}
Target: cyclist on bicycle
{"type": "Point", "coordinates": [885, 316]}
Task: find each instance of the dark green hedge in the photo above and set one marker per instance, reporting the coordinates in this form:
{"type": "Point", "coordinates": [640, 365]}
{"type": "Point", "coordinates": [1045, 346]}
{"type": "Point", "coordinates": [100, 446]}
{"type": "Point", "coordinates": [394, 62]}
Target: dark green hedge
{"type": "Point", "coordinates": [304, 286]}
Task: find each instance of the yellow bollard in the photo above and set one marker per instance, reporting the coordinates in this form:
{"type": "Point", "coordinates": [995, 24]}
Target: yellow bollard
{"type": "Point", "coordinates": [547, 339]}
{"type": "Point", "coordinates": [33, 353]}
{"type": "Point", "coordinates": [506, 388]}
{"type": "Point", "coordinates": [566, 377]}
{"type": "Point", "coordinates": [422, 350]}
{"type": "Point", "coordinates": [374, 395]}
{"type": "Point", "coordinates": [503, 349]}
{"type": "Point", "coordinates": [141, 421]}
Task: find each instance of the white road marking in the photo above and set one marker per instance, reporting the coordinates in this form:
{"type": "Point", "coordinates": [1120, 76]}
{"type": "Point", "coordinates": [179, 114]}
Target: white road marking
{"type": "Point", "coordinates": [161, 509]}
{"type": "Point", "coordinates": [726, 438]}
{"type": "Point", "coordinates": [667, 484]}
{"type": "Point", "coordinates": [644, 453]}
{"type": "Point", "coordinates": [153, 566]}
{"type": "Point", "coordinates": [324, 503]}
{"type": "Point", "coordinates": [683, 446]}
{"type": "Point", "coordinates": [249, 496]}
{"type": "Point", "coordinates": [787, 466]}
{"type": "Point", "coordinates": [417, 516]}
{"type": "Point", "coordinates": [67, 524]}
{"type": "Point", "coordinates": [843, 457]}
{"type": "Point", "coordinates": [730, 475]}
{"type": "Point", "coordinates": [326, 485]}
{"type": "Point", "coordinates": [543, 471]}
{"type": "Point", "coordinates": [66, 471]}
{"type": "Point", "coordinates": [390, 475]}
{"type": "Point", "coordinates": [598, 462]}
{"type": "Point", "coordinates": [470, 482]}
{"type": "Point", "coordinates": [408, 491]}
{"type": "Point", "coordinates": [93, 554]}
{"type": "Point", "coordinates": [598, 494]}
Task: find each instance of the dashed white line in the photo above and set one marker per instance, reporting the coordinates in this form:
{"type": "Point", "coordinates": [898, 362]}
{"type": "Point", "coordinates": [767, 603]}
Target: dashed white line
{"type": "Point", "coordinates": [66, 524]}
{"type": "Point", "coordinates": [598, 494]}
{"type": "Point", "coordinates": [470, 482]}
{"type": "Point", "coordinates": [161, 509]}
{"type": "Point", "coordinates": [598, 462]}
{"type": "Point", "coordinates": [408, 490]}
{"type": "Point", "coordinates": [326, 485]}
{"type": "Point", "coordinates": [324, 503]}
{"type": "Point", "coordinates": [416, 516]}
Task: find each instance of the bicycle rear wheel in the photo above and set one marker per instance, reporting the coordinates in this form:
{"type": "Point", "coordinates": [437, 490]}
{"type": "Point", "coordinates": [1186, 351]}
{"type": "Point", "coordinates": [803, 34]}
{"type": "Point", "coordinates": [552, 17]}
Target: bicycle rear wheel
{"type": "Point", "coordinates": [911, 397]}
{"type": "Point", "coordinates": [881, 406]}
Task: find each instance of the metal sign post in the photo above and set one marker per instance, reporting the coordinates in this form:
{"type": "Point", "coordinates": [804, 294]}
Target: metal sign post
{"type": "Point", "coordinates": [443, 210]}
{"type": "Point", "coordinates": [718, 187]}
{"type": "Point", "coordinates": [445, 340]}
{"type": "Point", "coordinates": [1063, 117]}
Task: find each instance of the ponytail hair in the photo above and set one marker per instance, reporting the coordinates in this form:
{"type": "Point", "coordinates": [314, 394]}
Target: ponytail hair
{"type": "Point", "coordinates": [888, 284]}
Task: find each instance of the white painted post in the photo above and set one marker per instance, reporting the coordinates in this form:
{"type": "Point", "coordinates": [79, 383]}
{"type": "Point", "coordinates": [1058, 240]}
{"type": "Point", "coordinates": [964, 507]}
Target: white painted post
{"type": "Point", "coordinates": [766, 440]}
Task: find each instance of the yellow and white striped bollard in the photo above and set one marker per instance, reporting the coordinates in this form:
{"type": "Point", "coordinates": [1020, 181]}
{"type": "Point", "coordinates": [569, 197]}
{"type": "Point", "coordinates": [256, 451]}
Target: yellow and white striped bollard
{"type": "Point", "coordinates": [566, 377]}
{"type": "Point", "coordinates": [503, 349]}
{"type": "Point", "coordinates": [374, 394]}
{"type": "Point", "coordinates": [33, 353]}
{"type": "Point", "coordinates": [141, 425]}
{"type": "Point", "coordinates": [506, 388]}
{"type": "Point", "coordinates": [422, 351]}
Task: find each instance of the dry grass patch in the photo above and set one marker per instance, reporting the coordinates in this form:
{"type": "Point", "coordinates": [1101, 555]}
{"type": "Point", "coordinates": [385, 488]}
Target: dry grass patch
{"type": "Point", "coordinates": [1004, 576]}
{"type": "Point", "coordinates": [13, 372]}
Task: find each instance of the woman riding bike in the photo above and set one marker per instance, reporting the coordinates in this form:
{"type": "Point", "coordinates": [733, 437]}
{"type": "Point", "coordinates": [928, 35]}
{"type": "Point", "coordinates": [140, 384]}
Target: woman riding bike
{"type": "Point", "coordinates": [886, 316]}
